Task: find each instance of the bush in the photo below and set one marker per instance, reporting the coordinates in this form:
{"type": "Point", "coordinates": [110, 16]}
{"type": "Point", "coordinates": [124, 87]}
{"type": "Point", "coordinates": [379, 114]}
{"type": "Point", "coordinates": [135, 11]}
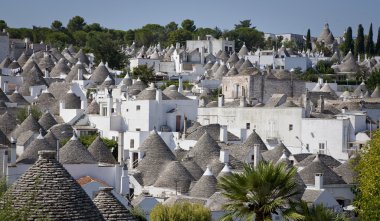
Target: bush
{"type": "Point", "coordinates": [23, 113]}
{"type": "Point", "coordinates": [180, 212]}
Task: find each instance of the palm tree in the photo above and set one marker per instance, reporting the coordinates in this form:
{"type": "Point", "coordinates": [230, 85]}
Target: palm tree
{"type": "Point", "coordinates": [319, 213]}
{"type": "Point", "coordinates": [259, 192]}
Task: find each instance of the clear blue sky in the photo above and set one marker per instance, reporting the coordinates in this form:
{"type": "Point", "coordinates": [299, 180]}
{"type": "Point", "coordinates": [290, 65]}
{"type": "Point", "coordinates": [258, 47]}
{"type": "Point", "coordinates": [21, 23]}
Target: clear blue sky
{"type": "Point", "coordinates": [274, 16]}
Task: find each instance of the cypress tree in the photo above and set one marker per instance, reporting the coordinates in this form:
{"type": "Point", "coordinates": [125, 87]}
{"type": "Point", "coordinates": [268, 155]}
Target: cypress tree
{"type": "Point", "coordinates": [369, 46]}
{"type": "Point", "coordinates": [377, 50]}
{"type": "Point", "coordinates": [308, 40]}
{"type": "Point", "coordinates": [359, 43]}
{"type": "Point", "coordinates": [348, 44]}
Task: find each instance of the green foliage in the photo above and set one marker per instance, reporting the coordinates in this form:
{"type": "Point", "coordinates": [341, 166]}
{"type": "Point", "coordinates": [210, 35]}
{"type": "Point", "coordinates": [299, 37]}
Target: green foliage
{"type": "Point", "coordinates": [324, 67]}
{"type": "Point", "coordinates": [308, 40]}
{"type": "Point", "coordinates": [3, 25]}
{"type": "Point", "coordinates": [180, 36]}
{"type": "Point", "coordinates": [373, 80]}
{"type": "Point", "coordinates": [348, 44]}
{"type": "Point", "coordinates": [260, 192]}
{"type": "Point", "coordinates": [80, 38]}
{"type": "Point", "coordinates": [252, 38]}
{"type": "Point", "coordinates": [145, 73]}
{"type": "Point", "coordinates": [310, 75]}
{"type": "Point", "coordinates": [93, 27]}
{"type": "Point", "coordinates": [23, 113]}
{"type": "Point", "coordinates": [57, 39]}
{"type": "Point", "coordinates": [56, 25]}
{"type": "Point", "coordinates": [172, 26]}
{"type": "Point", "coordinates": [87, 140]}
{"type": "Point", "coordinates": [321, 47]}
{"type": "Point", "coordinates": [368, 168]}
{"type": "Point", "coordinates": [180, 212]}
{"type": "Point", "coordinates": [359, 42]}
{"type": "Point", "coordinates": [290, 44]}
{"type": "Point", "coordinates": [186, 84]}
{"type": "Point", "coordinates": [319, 213]}
{"type": "Point", "coordinates": [188, 25]}
{"type": "Point", "coordinates": [76, 24]}
{"type": "Point", "coordinates": [369, 46]}
{"type": "Point", "coordinates": [138, 213]}
{"type": "Point", "coordinates": [244, 24]}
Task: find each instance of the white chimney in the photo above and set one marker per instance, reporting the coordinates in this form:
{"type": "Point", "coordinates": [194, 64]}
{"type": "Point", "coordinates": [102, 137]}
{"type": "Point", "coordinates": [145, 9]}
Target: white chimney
{"type": "Point", "coordinates": [124, 181]}
{"type": "Point", "coordinates": [224, 156]}
{"type": "Point", "coordinates": [5, 163]}
{"type": "Point", "coordinates": [61, 105]}
{"type": "Point", "coordinates": [83, 104]}
{"type": "Point", "coordinates": [13, 151]}
{"type": "Point", "coordinates": [257, 155]}
{"type": "Point", "coordinates": [180, 84]}
{"type": "Point", "coordinates": [5, 87]}
{"type": "Point", "coordinates": [158, 95]}
{"type": "Point", "coordinates": [318, 181]}
{"type": "Point", "coordinates": [221, 100]}
{"type": "Point", "coordinates": [223, 134]}
{"type": "Point", "coordinates": [202, 55]}
{"type": "Point", "coordinates": [121, 155]}
{"type": "Point", "coordinates": [109, 105]}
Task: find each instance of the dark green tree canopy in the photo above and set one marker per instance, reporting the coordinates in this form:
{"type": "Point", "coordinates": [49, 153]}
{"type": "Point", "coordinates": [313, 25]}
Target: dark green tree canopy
{"type": "Point", "coordinates": [244, 24]}
{"type": "Point", "coordinates": [76, 24]}
{"type": "Point", "coordinates": [3, 25]}
{"type": "Point", "coordinates": [188, 25]}
{"type": "Point", "coordinates": [172, 26]}
{"type": "Point", "coordinates": [359, 43]}
{"type": "Point", "coordinates": [377, 49]}
{"type": "Point", "coordinates": [56, 25]}
{"type": "Point", "coordinates": [369, 46]}
{"type": "Point", "coordinates": [308, 41]}
{"type": "Point", "coordinates": [348, 44]}
{"type": "Point", "coordinates": [145, 73]}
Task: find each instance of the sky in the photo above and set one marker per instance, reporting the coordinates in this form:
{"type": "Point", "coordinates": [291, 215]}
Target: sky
{"type": "Point", "coordinates": [273, 16]}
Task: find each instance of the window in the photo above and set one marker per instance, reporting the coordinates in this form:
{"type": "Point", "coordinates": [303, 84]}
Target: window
{"type": "Point", "coordinates": [127, 110]}
{"type": "Point", "coordinates": [252, 158]}
{"type": "Point", "coordinates": [307, 146]}
{"type": "Point", "coordinates": [131, 143]}
{"type": "Point", "coordinates": [290, 127]}
{"type": "Point", "coordinates": [248, 126]}
{"type": "Point", "coordinates": [138, 107]}
{"type": "Point", "coordinates": [112, 110]}
{"type": "Point", "coordinates": [138, 129]}
{"type": "Point", "coordinates": [321, 147]}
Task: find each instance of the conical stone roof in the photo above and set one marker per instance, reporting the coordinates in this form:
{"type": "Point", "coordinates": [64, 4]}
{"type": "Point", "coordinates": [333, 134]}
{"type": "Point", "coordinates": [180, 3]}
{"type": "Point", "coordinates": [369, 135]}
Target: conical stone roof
{"type": "Point", "coordinates": [3, 96]}
{"type": "Point", "coordinates": [73, 152]}
{"type": "Point", "coordinates": [73, 74]}
{"type": "Point", "coordinates": [275, 154]}
{"type": "Point", "coordinates": [51, 191]}
{"type": "Point", "coordinates": [245, 66]}
{"type": "Point", "coordinates": [233, 59]}
{"type": "Point", "coordinates": [156, 155]}
{"type": "Point", "coordinates": [243, 50]}
{"type": "Point", "coordinates": [82, 57]}
{"type": "Point", "coordinates": [204, 150]}
{"type": "Point", "coordinates": [376, 92]}
{"type": "Point", "coordinates": [30, 123]}
{"type": "Point", "coordinates": [205, 186]}
{"type": "Point", "coordinates": [101, 152]}
{"type": "Point", "coordinates": [239, 63]}
{"type": "Point", "coordinates": [175, 175]}
{"type": "Point", "coordinates": [232, 72]}
{"type": "Point", "coordinates": [22, 59]}
{"type": "Point", "coordinates": [72, 101]}
{"type": "Point", "coordinates": [222, 70]}
{"type": "Point", "coordinates": [4, 139]}
{"type": "Point", "coordinates": [17, 98]}
{"type": "Point", "coordinates": [47, 121]}
{"type": "Point", "coordinates": [226, 171]}
{"type": "Point", "coordinates": [194, 169]}
{"type": "Point", "coordinates": [5, 63]}
{"type": "Point", "coordinates": [100, 74]}
{"type": "Point", "coordinates": [93, 108]}
{"type": "Point", "coordinates": [30, 154]}
{"type": "Point", "coordinates": [7, 123]}
{"type": "Point", "coordinates": [60, 68]}
{"type": "Point", "coordinates": [110, 207]}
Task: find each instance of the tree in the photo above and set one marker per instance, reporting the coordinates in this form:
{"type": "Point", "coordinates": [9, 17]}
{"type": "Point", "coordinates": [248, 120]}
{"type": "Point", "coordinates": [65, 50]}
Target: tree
{"type": "Point", "coordinates": [56, 25]}
{"type": "Point", "coordinates": [145, 73]}
{"type": "Point", "coordinates": [373, 79]}
{"type": "Point", "coordinates": [180, 36]}
{"type": "Point", "coordinates": [348, 44]}
{"type": "Point", "coordinates": [92, 27]}
{"type": "Point", "coordinates": [80, 38]}
{"type": "Point", "coordinates": [324, 67]}
{"type": "Point", "coordinates": [369, 46]}
{"type": "Point", "coordinates": [180, 212]}
{"type": "Point", "coordinates": [252, 38]}
{"type": "Point", "coordinates": [244, 24]}
{"type": "Point", "coordinates": [368, 198]}
{"type": "Point", "coordinates": [3, 25]}
{"type": "Point", "coordinates": [129, 37]}
{"type": "Point", "coordinates": [259, 192]}
{"type": "Point", "coordinates": [76, 24]}
{"type": "Point", "coordinates": [308, 40]}
{"type": "Point", "coordinates": [377, 52]}
{"type": "Point", "coordinates": [359, 43]}
{"type": "Point", "coordinates": [57, 39]}
{"type": "Point", "coordinates": [319, 213]}
{"type": "Point", "coordinates": [23, 113]}
{"type": "Point", "coordinates": [188, 25]}
{"type": "Point", "coordinates": [172, 26]}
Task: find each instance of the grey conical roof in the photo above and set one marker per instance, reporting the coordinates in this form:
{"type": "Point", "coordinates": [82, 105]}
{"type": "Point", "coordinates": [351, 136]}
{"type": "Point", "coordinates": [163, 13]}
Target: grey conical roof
{"type": "Point", "coordinates": [239, 63]}
{"type": "Point", "coordinates": [82, 57]}
{"type": "Point", "coordinates": [326, 159]}
{"type": "Point", "coordinates": [62, 131]}
{"type": "Point", "coordinates": [73, 152]}
{"type": "Point", "coordinates": [56, 194]}
{"type": "Point", "coordinates": [226, 171]}
{"type": "Point", "coordinates": [275, 154]}
{"type": "Point", "coordinates": [243, 50]}
{"type": "Point", "coordinates": [232, 72]}
{"type": "Point", "coordinates": [175, 95]}
{"type": "Point", "coordinates": [376, 92]}
{"type": "Point", "coordinates": [208, 65]}
{"type": "Point", "coordinates": [30, 123]}
{"type": "Point", "coordinates": [150, 94]}
{"type": "Point", "coordinates": [347, 172]}
{"type": "Point", "coordinates": [205, 186]}
{"type": "Point", "coordinates": [72, 101]}
{"type": "Point", "coordinates": [100, 74]}
{"type": "Point", "coordinates": [18, 99]}
{"type": "Point", "coordinates": [46, 63]}
{"type": "Point", "coordinates": [324, 36]}
{"type": "Point", "coordinates": [73, 74]}
{"type": "Point", "coordinates": [47, 121]}
{"type": "Point", "coordinates": [215, 67]}
{"type": "Point", "coordinates": [32, 78]}
{"type": "Point", "coordinates": [93, 108]}
{"type": "Point", "coordinates": [194, 169]}
{"type": "Point", "coordinates": [22, 59]}
{"type": "Point", "coordinates": [329, 176]}
{"type": "Point", "coordinates": [110, 207]}
{"type": "Point", "coordinates": [3, 96]}
{"type": "Point", "coordinates": [138, 85]}
{"type": "Point", "coordinates": [30, 154]}
{"type": "Point", "coordinates": [7, 123]}
{"type": "Point", "coordinates": [224, 56]}
{"type": "Point", "coordinates": [156, 155]}
{"type": "Point", "coordinates": [4, 139]}
{"type": "Point", "coordinates": [204, 150]}
{"type": "Point", "coordinates": [349, 65]}
{"type": "Point", "coordinates": [5, 63]}
{"type": "Point", "coordinates": [51, 139]}
{"type": "Point", "coordinates": [246, 65]}
{"type": "Point", "coordinates": [60, 68]}
{"type": "Point", "coordinates": [253, 139]}
{"type": "Point", "coordinates": [175, 175]}
{"type": "Point", "coordinates": [47, 102]}
{"type": "Point", "coordinates": [101, 152]}
{"type": "Point", "coordinates": [233, 59]}
{"type": "Point", "coordinates": [14, 65]}
{"type": "Point", "coordinates": [221, 72]}
{"type": "Point", "coordinates": [361, 89]}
